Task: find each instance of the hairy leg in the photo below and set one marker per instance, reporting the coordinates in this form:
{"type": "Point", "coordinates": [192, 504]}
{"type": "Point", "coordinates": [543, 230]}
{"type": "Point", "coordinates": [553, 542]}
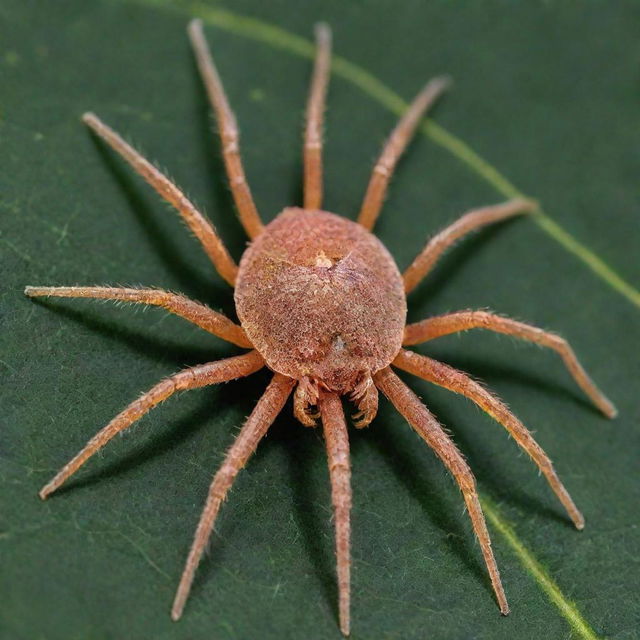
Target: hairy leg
{"type": "Point", "coordinates": [337, 443]}
{"type": "Point", "coordinates": [200, 376]}
{"type": "Point", "coordinates": [229, 132]}
{"type": "Point", "coordinates": [427, 427]}
{"type": "Point", "coordinates": [470, 221]}
{"type": "Point", "coordinates": [257, 424]}
{"type": "Point", "coordinates": [439, 326]}
{"type": "Point", "coordinates": [315, 116]}
{"type": "Point", "coordinates": [195, 312]}
{"type": "Point", "coordinates": [196, 221]}
{"type": "Point", "coordinates": [445, 376]}
{"type": "Point", "coordinates": [393, 149]}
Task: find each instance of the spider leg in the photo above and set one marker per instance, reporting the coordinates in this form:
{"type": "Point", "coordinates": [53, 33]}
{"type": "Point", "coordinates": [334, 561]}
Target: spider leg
{"type": "Point", "coordinates": [196, 221]}
{"type": "Point", "coordinates": [195, 312]}
{"type": "Point", "coordinates": [315, 113]}
{"type": "Point", "coordinates": [393, 149]}
{"type": "Point", "coordinates": [445, 376]}
{"type": "Point", "coordinates": [192, 378]}
{"type": "Point", "coordinates": [256, 426]}
{"type": "Point", "coordinates": [428, 428]}
{"type": "Point", "coordinates": [337, 442]}
{"type": "Point", "coordinates": [439, 326]}
{"type": "Point", "coordinates": [229, 133]}
{"type": "Point", "coordinates": [470, 221]}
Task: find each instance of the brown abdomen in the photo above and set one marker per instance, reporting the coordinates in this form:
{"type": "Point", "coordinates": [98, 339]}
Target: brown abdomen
{"type": "Point", "coordinates": [320, 296]}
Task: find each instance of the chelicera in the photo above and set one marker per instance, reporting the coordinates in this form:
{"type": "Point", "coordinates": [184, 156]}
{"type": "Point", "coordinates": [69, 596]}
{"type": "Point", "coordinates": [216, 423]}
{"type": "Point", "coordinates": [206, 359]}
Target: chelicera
{"type": "Point", "coordinates": [322, 304]}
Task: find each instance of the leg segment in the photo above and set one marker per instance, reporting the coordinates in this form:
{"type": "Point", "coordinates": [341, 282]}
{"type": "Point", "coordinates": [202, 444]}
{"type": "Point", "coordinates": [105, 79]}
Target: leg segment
{"type": "Point", "coordinates": [393, 149]}
{"type": "Point", "coordinates": [445, 376]}
{"type": "Point", "coordinates": [229, 133]}
{"type": "Point", "coordinates": [201, 227]}
{"type": "Point", "coordinates": [469, 222]}
{"type": "Point", "coordinates": [427, 427]}
{"type": "Point", "coordinates": [337, 442]}
{"type": "Point", "coordinates": [261, 418]}
{"type": "Point", "coordinates": [196, 313]}
{"type": "Point", "coordinates": [439, 326]}
{"type": "Point", "coordinates": [315, 113]}
{"type": "Point", "coordinates": [192, 378]}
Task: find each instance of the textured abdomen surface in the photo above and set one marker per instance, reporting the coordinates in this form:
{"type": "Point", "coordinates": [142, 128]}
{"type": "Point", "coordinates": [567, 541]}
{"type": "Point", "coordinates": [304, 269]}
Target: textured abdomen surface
{"type": "Point", "coordinates": [320, 296]}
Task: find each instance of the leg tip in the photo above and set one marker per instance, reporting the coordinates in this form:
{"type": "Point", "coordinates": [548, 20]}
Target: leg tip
{"type": "Point", "coordinates": [195, 26]}
{"type": "Point", "coordinates": [44, 493]}
{"type": "Point", "coordinates": [29, 291]}
{"type": "Point", "coordinates": [89, 118]}
{"type": "Point", "coordinates": [322, 32]}
{"type": "Point", "coordinates": [526, 205]}
{"type": "Point", "coordinates": [504, 610]}
{"type": "Point", "coordinates": [176, 613]}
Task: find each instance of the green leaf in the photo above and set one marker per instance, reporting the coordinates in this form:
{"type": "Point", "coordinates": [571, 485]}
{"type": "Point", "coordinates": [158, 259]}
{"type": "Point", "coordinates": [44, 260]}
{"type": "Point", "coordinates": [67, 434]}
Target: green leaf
{"type": "Point", "coordinates": [545, 104]}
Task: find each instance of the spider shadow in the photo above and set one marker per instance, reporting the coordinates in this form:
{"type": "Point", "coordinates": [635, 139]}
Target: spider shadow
{"type": "Point", "coordinates": [483, 370]}
{"type": "Point", "coordinates": [488, 473]}
{"type": "Point", "coordinates": [188, 276]}
{"type": "Point", "coordinates": [229, 226]}
{"type": "Point", "coordinates": [306, 453]}
{"type": "Point", "coordinates": [454, 262]}
{"type": "Point", "coordinates": [408, 465]}
{"type": "Point", "coordinates": [160, 349]}
{"type": "Point", "coordinates": [170, 438]}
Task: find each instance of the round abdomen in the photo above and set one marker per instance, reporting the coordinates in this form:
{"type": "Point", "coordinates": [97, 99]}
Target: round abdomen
{"type": "Point", "coordinates": [320, 296]}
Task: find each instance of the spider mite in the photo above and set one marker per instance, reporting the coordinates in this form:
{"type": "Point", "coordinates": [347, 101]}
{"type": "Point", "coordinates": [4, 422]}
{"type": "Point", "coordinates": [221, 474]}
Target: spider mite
{"type": "Point", "coordinates": [322, 304]}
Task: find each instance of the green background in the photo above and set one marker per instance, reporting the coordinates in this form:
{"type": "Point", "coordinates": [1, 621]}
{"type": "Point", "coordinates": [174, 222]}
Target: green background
{"type": "Point", "coordinates": [547, 92]}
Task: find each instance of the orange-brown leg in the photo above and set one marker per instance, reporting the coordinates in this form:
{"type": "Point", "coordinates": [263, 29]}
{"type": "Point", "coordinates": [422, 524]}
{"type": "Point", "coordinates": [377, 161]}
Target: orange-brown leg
{"type": "Point", "coordinates": [202, 228]}
{"type": "Point", "coordinates": [395, 145]}
{"type": "Point", "coordinates": [195, 312]}
{"type": "Point", "coordinates": [200, 376]}
{"type": "Point", "coordinates": [229, 132]}
{"type": "Point", "coordinates": [257, 424]}
{"type": "Point", "coordinates": [445, 376]}
{"type": "Point", "coordinates": [439, 326]}
{"type": "Point", "coordinates": [470, 221]}
{"type": "Point", "coordinates": [427, 427]}
{"type": "Point", "coordinates": [315, 116]}
{"type": "Point", "coordinates": [337, 443]}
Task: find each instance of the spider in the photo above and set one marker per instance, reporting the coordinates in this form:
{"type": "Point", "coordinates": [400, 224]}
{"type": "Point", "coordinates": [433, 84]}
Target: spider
{"type": "Point", "coordinates": [322, 304]}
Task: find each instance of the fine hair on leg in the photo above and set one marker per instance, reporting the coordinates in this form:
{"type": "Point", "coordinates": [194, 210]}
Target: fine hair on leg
{"type": "Point", "coordinates": [393, 149]}
{"type": "Point", "coordinates": [438, 326]}
{"type": "Point", "coordinates": [337, 444]}
{"type": "Point", "coordinates": [428, 428]}
{"type": "Point", "coordinates": [195, 312]}
{"type": "Point", "coordinates": [253, 430]}
{"type": "Point", "coordinates": [314, 119]}
{"type": "Point", "coordinates": [449, 378]}
{"type": "Point", "coordinates": [229, 132]}
{"type": "Point", "coordinates": [202, 228]}
{"type": "Point", "coordinates": [470, 221]}
{"type": "Point", "coordinates": [192, 378]}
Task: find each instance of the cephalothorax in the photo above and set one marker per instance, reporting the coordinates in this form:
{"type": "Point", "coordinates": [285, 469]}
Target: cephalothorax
{"type": "Point", "coordinates": [322, 304]}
